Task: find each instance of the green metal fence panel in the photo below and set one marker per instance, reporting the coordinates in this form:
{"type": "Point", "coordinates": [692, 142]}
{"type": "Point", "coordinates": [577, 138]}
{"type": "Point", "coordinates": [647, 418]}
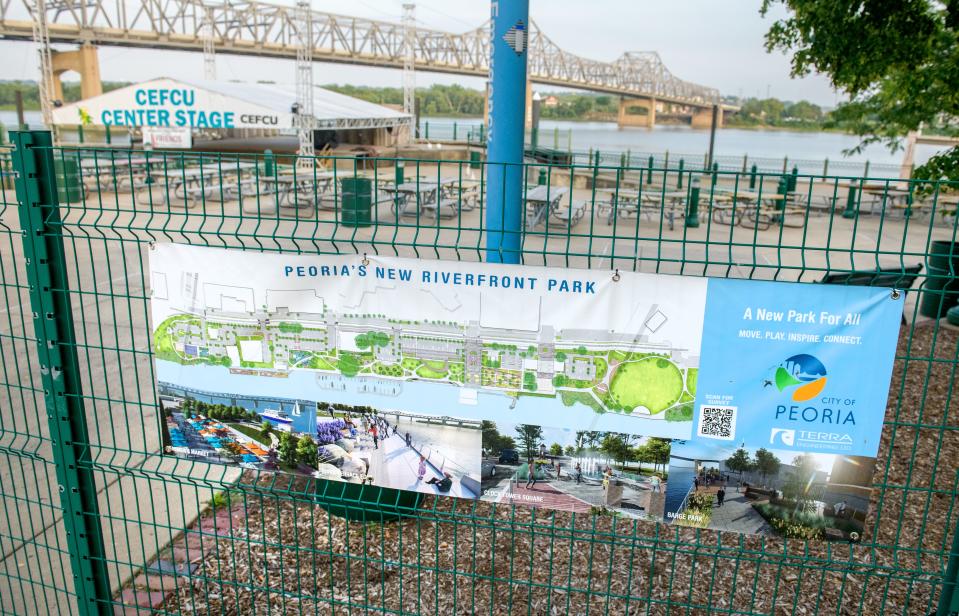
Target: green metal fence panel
{"type": "Point", "coordinates": [182, 536]}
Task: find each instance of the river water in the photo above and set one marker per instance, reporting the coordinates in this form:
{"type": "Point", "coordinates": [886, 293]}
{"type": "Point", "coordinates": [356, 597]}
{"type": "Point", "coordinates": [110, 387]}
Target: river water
{"type": "Point", "coordinates": [766, 147]}
{"type": "Point", "coordinates": [416, 396]}
{"type": "Point", "coordinates": [771, 149]}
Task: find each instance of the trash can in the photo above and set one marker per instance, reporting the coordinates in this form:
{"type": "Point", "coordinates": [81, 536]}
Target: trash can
{"type": "Point", "coordinates": [356, 202]}
{"type": "Point", "coordinates": [66, 165]}
{"type": "Point", "coordinates": [474, 159]}
{"type": "Point", "coordinates": [269, 163]}
{"type": "Point", "coordinates": [940, 291]}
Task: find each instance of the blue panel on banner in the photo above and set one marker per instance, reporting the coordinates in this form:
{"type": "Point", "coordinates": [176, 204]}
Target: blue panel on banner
{"type": "Point", "coordinates": [805, 367]}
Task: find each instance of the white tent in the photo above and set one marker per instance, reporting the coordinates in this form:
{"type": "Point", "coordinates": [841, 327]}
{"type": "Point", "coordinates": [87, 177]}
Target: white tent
{"type": "Point", "coordinates": [207, 105]}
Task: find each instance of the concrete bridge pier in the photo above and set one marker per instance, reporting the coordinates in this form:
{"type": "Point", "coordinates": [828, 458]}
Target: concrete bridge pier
{"type": "Point", "coordinates": [84, 61]}
{"type": "Point", "coordinates": [703, 117]}
{"type": "Point", "coordinates": [647, 119]}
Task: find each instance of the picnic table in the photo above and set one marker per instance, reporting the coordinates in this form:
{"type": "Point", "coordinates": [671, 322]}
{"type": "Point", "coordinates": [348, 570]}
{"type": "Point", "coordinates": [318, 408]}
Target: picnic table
{"type": "Point", "coordinates": [111, 172]}
{"type": "Point", "coordinates": [212, 183]}
{"type": "Point", "coordinates": [883, 194]}
{"type": "Point", "coordinates": [297, 189]}
{"type": "Point", "coordinates": [428, 196]}
{"type": "Point", "coordinates": [759, 209]}
{"type": "Point", "coordinates": [540, 200]}
{"type": "Point", "coordinates": [667, 202]}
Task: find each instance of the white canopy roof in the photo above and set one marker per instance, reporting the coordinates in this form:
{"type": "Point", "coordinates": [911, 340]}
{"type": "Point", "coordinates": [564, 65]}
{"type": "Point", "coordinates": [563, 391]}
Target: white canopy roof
{"type": "Point", "coordinates": [217, 104]}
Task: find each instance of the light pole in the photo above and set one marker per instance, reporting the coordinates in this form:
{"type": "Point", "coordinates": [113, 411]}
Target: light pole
{"type": "Point", "coordinates": [509, 38]}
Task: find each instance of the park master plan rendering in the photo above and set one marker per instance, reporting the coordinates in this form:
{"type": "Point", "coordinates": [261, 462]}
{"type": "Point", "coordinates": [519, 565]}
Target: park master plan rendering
{"type": "Point", "coordinates": [589, 354]}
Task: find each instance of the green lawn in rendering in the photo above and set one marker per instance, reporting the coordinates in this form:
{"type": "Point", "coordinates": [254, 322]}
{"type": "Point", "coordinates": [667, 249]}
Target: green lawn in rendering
{"type": "Point", "coordinates": [318, 362]}
{"type": "Point", "coordinates": [432, 370]}
{"type": "Point", "coordinates": [654, 382]}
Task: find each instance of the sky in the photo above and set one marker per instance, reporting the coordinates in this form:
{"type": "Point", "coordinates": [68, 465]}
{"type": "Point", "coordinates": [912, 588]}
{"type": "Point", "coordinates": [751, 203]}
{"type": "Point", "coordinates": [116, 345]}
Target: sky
{"type": "Point", "coordinates": [718, 44]}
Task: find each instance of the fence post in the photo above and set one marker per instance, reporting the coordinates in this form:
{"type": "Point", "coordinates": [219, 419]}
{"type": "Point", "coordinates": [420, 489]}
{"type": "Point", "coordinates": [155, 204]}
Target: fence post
{"type": "Point", "coordinates": [825, 167]}
{"type": "Point", "coordinates": [454, 131]}
{"type": "Point", "coordinates": [692, 212]}
{"type": "Point", "coordinates": [949, 598]}
{"type": "Point", "coordinates": [782, 190]}
{"type": "Point", "coordinates": [752, 176]}
{"type": "Point", "coordinates": [427, 130]}
{"type": "Point", "coordinates": [865, 171]}
{"type": "Point", "coordinates": [745, 162]}
{"type": "Point", "coordinates": [45, 265]}
{"type": "Point", "coordinates": [785, 164]}
{"type": "Point", "coordinates": [851, 198]}
{"type": "Point", "coordinates": [649, 170]}
{"type": "Point", "coordinates": [679, 183]}
{"type": "Point", "coordinates": [715, 174]}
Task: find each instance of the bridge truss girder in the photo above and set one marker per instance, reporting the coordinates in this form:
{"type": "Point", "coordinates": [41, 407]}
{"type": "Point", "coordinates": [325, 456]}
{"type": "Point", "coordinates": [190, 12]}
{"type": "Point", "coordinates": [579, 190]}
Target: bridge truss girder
{"type": "Point", "coordinates": [259, 28]}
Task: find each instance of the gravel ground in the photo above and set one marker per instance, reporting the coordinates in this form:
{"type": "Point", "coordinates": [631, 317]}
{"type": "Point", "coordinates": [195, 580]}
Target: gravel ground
{"type": "Point", "coordinates": [278, 553]}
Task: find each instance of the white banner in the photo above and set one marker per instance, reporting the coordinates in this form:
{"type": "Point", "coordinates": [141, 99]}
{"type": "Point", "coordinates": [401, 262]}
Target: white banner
{"type": "Point", "coordinates": [167, 138]}
{"type": "Point", "coordinates": [174, 104]}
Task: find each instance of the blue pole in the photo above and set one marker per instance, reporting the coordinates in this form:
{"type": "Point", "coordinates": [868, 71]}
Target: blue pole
{"type": "Point", "coordinates": [509, 30]}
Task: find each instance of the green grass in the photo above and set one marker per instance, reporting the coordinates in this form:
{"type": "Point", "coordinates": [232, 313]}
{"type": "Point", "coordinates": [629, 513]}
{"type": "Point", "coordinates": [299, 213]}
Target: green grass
{"type": "Point", "coordinates": [163, 344]}
{"type": "Point", "coordinates": [427, 372]}
{"type": "Point", "coordinates": [655, 383]}
{"type": "Point", "coordinates": [683, 412]}
{"type": "Point", "coordinates": [318, 362]}
{"type": "Point", "coordinates": [410, 364]}
{"type": "Point", "coordinates": [692, 377]}
{"type": "Point", "coordinates": [617, 356]}
{"type": "Point", "coordinates": [253, 433]}
{"type": "Point", "coordinates": [393, 370]}
{"type": "Point", "coordinates": [290, 328]}
{"type": "Point", "coordinates": [457, 372]}
{"type": "Point", "coordinates": [570, 398]}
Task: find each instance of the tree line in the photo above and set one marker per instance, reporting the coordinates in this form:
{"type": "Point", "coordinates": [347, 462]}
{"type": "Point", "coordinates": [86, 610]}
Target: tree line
{"type": "Point", "coordinates": [621, 448]}
{"type": "Point", "coordinates": [458, 101]}
{"type": "Point", "coordinates": [31, 92]}
{"type": "Point", "coordinates": [191, 408]}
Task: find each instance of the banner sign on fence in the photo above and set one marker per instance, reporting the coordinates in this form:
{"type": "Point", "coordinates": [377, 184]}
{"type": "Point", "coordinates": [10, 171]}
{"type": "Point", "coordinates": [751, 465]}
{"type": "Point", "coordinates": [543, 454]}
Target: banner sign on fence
{"type": "Point", "coordinates": [167, 138]}
{"type": "Point", "coordinates": [570, 389]}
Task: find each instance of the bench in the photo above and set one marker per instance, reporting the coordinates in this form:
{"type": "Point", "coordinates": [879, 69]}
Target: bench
{"type": "Point", "coordinates": [567, 215]}
{"type": "Point", "coordinates": [448, 208]}
{"type": "Point", "coordinates": [901, 278]}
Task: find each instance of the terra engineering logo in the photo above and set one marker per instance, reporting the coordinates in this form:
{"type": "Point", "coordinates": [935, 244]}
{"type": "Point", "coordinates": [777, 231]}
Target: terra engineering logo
{"type": "Point", "coordinates": [804, 374]}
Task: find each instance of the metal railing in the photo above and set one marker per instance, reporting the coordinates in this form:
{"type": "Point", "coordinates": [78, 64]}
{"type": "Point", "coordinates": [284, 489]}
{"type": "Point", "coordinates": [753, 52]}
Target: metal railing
{"type": "Point", "coordinates": [94, 517]}
{"type": "Point", "coordinates": [473, 132]}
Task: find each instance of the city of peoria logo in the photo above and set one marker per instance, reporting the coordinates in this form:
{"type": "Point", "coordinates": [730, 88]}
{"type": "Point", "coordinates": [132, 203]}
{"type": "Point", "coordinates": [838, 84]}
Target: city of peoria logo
{"type": "Point", "coordinates": [804, 374]}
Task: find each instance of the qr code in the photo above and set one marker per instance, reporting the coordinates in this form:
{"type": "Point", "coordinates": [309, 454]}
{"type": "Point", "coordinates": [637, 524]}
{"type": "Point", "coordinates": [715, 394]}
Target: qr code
{"type": "Point", "coordinates": [717, 422]}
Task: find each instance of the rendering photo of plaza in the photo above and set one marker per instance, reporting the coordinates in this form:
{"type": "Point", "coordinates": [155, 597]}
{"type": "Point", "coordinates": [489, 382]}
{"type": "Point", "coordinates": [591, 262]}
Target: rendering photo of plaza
{"type": "Point", "coordinates": [792, 494]}
{"type": "Point", "coordinates": [394, 449]}
{"type": "Point", "coordinates": [578, 471]}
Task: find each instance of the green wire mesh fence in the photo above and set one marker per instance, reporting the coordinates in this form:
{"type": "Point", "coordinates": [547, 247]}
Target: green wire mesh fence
{"type": "Point", "coordinates": [96, 520]}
